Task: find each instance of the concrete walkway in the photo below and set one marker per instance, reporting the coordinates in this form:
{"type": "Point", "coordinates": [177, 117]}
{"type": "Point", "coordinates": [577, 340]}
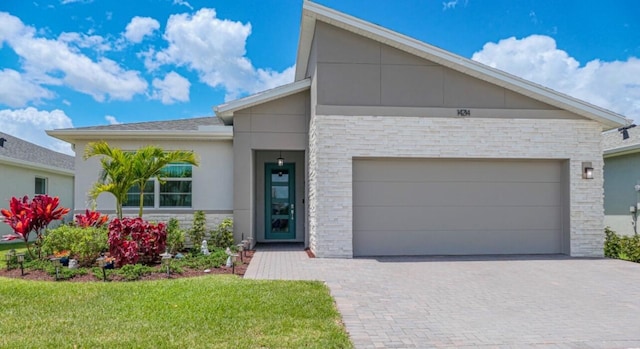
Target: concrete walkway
{"type": "Point", "coordinates": [428, 302]}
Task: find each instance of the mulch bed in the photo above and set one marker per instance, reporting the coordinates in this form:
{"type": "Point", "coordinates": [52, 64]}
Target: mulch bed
{"type": "Point", "coordinates": [240, 269]}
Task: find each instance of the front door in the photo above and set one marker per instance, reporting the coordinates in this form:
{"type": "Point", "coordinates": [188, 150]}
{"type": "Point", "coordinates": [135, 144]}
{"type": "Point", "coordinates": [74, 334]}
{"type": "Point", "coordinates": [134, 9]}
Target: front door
{"type": "Point", "coordinates": [280, 201]}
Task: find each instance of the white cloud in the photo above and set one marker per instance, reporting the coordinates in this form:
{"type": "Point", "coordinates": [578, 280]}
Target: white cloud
{"type": "Point", "coordinates": [449, 5]}
{"type": "Point", "coordinates": [29, 124]}
{"type": "Point", "coordinates": [174, 88]}
{"type": "Point", "coordinates": [17, 91]}
{"type": "Point", "coordinates": [611, 85]}
{"type": "Point", "coordinates": [139, 27]}
{"type": "Point", "coordinates": [65, 2]}
{"type": "Point", "coordinates": [183, 3]}
{"type": "Point", "coordinates": [216, 49]}
{"type": "Point", "coordinates": [112, 120]}
{"type": "Point", "coordinates": [96, 42]}
{"type": "Point", "coordinates": [59, 62]}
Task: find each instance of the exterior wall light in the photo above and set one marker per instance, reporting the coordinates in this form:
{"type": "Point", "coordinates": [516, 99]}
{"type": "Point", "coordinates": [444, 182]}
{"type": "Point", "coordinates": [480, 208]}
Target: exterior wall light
{"type": "Point", "coordinates": [587, 170]}
{"type": "Point", "coordinates": [280, 160]}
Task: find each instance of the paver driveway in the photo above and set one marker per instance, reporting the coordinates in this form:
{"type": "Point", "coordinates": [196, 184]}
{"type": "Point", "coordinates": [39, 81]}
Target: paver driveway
{"type": "Point", "coordinates": [519, 302]}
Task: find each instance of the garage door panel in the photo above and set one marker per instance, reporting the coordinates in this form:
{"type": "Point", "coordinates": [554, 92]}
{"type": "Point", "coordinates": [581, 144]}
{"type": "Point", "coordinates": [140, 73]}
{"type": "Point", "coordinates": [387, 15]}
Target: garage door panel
{"type": "Point", "coordinates": [456, 218]}
{"type": "Point", "coordinates": [444, 242]}
{"type": "Point", "coordinates": [416, 170]}
{"type": "Point", "coordinates": [457, 206]}
{"type": "Point", "coordinates": [455, 193]}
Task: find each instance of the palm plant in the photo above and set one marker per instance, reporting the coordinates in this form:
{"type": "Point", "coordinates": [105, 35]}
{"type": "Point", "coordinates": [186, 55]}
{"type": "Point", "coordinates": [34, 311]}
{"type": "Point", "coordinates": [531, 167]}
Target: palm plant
{"type": "Point", "coordinates": [149, 161]}
{"type": "Point", "coordinates": [122, 170]}
{"type": "Point", "coordinates": [117, 175]}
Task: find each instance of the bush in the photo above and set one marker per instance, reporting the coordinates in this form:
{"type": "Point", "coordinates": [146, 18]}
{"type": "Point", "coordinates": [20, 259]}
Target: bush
{"type": "Point", "coordinates": [622, 247]}
{"type": "Point", "coordinates": [222, 236]}
{"type": "Point", "coordinates": [611, 243]}
{"type": "Point", "coordinates": [198, 229]}
{"type": "Point", "coordinates": [175, 236]}
{"type": "Point", "coordinates": [83, 243]}
{"type": "Point", "coordinates": [131, 272]}
{"type": "Point", "coordinates": [132, 239]}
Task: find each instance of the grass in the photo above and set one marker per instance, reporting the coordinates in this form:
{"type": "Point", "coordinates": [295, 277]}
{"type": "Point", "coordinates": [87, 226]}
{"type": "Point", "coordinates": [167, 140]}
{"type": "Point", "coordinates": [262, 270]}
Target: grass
{"type": "Point", "coordinates": [203, 312]}
{"type": "Point", "coordinates": [5, 247]}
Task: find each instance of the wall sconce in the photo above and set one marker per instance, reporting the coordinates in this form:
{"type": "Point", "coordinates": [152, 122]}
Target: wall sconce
{"type": "Point", "coordinates": [280, 160]}
{"type": "Point", "coordinates": [587, 170]}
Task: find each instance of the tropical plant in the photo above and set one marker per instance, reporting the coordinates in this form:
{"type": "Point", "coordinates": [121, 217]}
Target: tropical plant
{"type": "Point", "coordinates": [198, 229]}
{"type": "Point", "coordinates": [117, 176]}
{"type": "Point", "coordinates": [131, 239]}
{"type": "Point", "coordinates": [91, 219]}
{"type": "Point", "coordinates": [175, 236]}
{"type": "Point", "coordinates": [25, 216]}
{"type": "Point", "coordinates": [149, 161]}
{"type": "Point", "coordinates": [222, 236]}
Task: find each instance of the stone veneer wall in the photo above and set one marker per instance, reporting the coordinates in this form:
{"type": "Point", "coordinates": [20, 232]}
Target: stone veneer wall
{"type": "Point", "coordinates": [335, 140]}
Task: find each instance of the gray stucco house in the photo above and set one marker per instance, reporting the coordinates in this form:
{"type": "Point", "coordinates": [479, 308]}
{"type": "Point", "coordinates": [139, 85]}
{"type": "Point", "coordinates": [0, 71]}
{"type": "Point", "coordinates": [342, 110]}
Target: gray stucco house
{"type": "Point", "coordinates": [385, 145]}
{"type": "Point", "coordinates": [621, 180]}
{"type": "Point", "coordinates": [29, 169]}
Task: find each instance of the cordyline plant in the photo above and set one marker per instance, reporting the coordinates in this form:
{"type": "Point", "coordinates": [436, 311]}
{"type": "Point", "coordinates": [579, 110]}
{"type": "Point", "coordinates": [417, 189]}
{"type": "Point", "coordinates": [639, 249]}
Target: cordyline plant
{"type": "Point", "coordinates": [131, 239]}
{"type": "Point", "coordinates": [25, 216]}
{"type": "Point", "coordinates": [91, 219]}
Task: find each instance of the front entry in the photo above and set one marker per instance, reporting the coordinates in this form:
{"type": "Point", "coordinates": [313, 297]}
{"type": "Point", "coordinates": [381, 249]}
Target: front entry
{"type": "Point", "coordinates": [280, 201]}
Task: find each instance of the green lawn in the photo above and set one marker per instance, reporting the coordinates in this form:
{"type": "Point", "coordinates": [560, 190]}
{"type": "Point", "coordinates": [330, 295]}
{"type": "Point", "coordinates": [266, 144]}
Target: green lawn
{"type": "Point", "coordinates": [204, 312]}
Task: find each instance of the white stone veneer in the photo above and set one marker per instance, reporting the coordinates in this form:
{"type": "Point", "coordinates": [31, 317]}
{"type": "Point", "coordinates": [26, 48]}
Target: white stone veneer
{"type": "Point", "coordinates": [335, 140]}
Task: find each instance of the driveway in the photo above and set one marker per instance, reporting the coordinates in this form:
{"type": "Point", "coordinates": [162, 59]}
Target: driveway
{"type": "Point", "coordinates": [499, 302]}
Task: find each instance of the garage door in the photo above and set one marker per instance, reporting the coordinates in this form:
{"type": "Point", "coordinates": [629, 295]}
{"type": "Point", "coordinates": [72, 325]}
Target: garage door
{"type": "Point", "coordinates": [456, 207]}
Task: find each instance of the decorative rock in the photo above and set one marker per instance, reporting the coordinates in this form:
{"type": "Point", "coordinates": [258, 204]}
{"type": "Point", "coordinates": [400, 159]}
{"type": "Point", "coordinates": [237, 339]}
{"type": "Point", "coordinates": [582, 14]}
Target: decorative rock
{"type": "Point", "coordinates": [207, 270]}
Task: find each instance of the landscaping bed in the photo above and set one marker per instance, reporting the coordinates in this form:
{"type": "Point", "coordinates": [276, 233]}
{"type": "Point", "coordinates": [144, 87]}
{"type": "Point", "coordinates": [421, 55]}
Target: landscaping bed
{"type": "Point", "coordinates": [159, 272]}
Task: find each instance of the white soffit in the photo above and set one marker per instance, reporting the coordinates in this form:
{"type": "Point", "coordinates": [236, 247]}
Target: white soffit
{"type": "Point", "coordinates": [225, 111]}
{"type": "Point", "coordinates": [312, 12]}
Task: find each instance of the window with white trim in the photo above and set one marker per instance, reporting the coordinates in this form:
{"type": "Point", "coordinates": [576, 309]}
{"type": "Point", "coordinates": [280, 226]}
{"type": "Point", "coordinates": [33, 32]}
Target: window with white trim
{"type": "Point", "coordinates": [173, 189]}
{"type": "Point", "coordinates": [40, 185]}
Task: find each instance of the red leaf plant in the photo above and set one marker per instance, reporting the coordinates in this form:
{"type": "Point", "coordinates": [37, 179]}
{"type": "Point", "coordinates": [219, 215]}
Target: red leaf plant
{"type": "Point", "coordinates": [91, 219]}
{"type": "Point", "coordinates": [25, 217]}
{"type": "Point", "coordinates": [132, 239]}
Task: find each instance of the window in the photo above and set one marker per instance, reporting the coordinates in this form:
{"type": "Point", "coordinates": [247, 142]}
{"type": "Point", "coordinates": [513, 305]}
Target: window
{"type": "Point", "coordinates": [41, 185]}
{"type": "Point", "coordinates": [173, 189]}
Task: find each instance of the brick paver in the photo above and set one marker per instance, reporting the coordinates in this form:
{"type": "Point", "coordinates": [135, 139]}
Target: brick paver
{"type": "Point", "coordinates": [499, 302]}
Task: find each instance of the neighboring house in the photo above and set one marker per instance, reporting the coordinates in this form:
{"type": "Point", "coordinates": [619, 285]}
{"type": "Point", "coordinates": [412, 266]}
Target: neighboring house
{"type": "Point", "coordinates": [621, 176]}
{"type": "Point", "coordinates": [390, 146]}
{"type": "Point", "coordinates": [29, 169]}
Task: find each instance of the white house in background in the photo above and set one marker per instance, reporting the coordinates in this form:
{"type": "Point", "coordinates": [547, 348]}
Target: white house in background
{"type": "Point", "coordinates": [29, 169]}
{"type": "Point", "coordinates": [621, 180]}
{"type": "Point", "coordinates": [385, 145]}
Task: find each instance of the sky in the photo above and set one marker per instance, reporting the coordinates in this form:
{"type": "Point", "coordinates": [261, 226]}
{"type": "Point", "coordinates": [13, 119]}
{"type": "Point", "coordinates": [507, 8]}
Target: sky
{"type": "Point", "coordinates": [76, 63]}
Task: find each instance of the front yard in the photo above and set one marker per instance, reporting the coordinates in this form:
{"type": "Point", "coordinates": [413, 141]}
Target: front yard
{"type": "Point", "coordinates": [204, 312]}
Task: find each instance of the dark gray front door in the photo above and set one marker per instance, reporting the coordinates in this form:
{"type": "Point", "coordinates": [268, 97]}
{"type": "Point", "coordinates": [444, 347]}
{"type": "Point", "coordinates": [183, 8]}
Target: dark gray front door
{"type": "Point", "coordinates": [280, 202]}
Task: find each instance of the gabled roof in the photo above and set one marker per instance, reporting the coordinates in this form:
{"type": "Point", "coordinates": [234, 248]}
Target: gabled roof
{"type": "Point", "coordinates": [225, 111]}
{"type": "Point", "coordinates": [614, 145]}
{"type": "Point", "coordinates": [195, 128]}
{"type": "Point", "coordinates": [21, 153]}
{"type": "Point", "coordinates": [311, 13]}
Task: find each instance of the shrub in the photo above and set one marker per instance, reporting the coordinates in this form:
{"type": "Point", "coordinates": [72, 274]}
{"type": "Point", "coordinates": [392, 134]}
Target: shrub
{"type": "Point", "coordinates": [198, 229]}
{"type": "Point", "coordinates": [611, 243]}
{"type": "Point", "coordinates": [85, 244]}
{"type": "Point", "coordinates": [132, 239]}
{"type": "Point", "coordinates": [131, 272]}
{"type": "Point", "coordinates": [216, 259]}
{"type": "Point", "coordinates": [175, 236]}
{"type": "Point", "coordinates": [622, 247]}
{"type": "Point", "coordinates": [222, 236]}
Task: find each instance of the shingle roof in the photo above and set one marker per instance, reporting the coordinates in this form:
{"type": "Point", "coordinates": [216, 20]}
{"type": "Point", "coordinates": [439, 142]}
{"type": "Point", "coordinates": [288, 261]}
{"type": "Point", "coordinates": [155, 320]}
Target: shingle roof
{"type": "Point", "coordinates": [176, 125]}
{"type": "Point", "coordinates": [18, 149]}
{"type": "Point", "coordinates": [612, 141]}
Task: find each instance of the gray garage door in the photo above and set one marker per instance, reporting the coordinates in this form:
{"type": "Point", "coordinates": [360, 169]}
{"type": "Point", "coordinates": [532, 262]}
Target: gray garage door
{"type": "Point", "coordinates": [456, 207]}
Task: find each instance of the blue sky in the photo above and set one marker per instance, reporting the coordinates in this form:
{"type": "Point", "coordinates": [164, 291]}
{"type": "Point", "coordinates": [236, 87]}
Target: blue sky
{"type": "Point", "coordinates": [75, 63]}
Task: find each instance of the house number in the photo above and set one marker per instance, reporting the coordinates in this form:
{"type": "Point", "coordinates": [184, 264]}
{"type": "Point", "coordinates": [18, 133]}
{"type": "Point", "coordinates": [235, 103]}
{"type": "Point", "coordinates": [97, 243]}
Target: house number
{"type": "Point", "coordinates": [464, 112]}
